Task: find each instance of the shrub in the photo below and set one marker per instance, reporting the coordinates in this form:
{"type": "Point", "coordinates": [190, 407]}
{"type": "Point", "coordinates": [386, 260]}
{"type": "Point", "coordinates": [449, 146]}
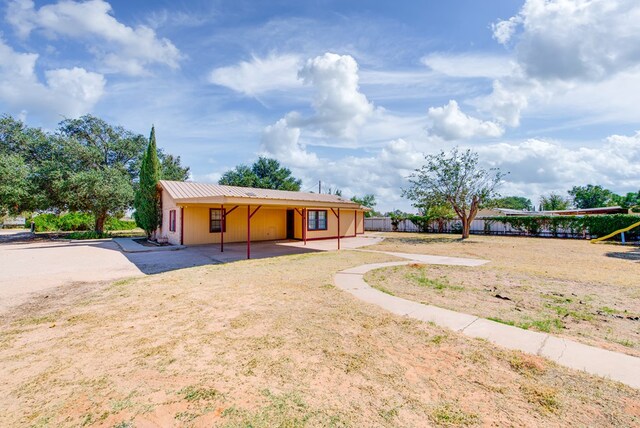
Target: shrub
{"type": "Point", "coordinates": [421, 222]}
{"type": "Point", "coordinates": [116, 224]}
{"type": "Point", "coordinates": [91, 234]}
{"type": "Point", "coordinates": [46, 222]}
{"type": "Point", "coordinates": [593, 225]}
{"type": "Point", "coordinates": [76, 221]}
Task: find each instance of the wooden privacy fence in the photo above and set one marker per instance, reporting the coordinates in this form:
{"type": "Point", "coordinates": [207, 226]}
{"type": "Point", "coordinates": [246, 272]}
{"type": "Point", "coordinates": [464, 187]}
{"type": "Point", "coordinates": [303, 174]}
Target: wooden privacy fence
{"type": "Point", "coordinates": [478, 227]}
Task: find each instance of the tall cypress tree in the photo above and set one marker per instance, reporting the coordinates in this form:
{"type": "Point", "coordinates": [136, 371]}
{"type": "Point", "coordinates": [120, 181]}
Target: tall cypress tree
{"type": "Point", "coordinates": [147, 199]}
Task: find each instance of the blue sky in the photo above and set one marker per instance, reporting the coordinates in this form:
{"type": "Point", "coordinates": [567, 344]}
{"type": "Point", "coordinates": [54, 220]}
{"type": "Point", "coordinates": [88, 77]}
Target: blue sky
{"type": "Point", "coordinates": [352, 93]}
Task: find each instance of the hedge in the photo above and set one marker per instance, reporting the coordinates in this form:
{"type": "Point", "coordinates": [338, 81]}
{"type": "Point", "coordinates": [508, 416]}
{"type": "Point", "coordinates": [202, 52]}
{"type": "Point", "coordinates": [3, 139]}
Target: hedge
{"type": "Point", "coordinates": [592, 225]}
{"type": "Point", "coordinates": [75, 221]}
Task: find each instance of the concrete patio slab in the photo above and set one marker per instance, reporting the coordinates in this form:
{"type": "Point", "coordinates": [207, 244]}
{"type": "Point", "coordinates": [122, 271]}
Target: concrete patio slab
{"type": "Point", "coordinates": [349, 243]}
{"type": "Point", "coordinates": [129, 245]}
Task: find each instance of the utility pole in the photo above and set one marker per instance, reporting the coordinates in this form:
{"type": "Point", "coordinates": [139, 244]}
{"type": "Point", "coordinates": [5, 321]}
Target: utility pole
{"type": "Point", "coordinates": [319, 186]}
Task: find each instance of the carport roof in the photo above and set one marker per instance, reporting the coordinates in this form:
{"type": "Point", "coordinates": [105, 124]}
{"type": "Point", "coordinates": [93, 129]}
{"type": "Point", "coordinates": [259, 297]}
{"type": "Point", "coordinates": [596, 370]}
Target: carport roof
{"type": "Point", "coordinates": [188, 191]}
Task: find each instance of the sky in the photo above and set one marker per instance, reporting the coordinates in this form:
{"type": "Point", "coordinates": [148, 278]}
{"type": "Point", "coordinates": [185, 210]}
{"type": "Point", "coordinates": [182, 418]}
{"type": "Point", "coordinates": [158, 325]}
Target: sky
{"type": "Point", "coordinates": [350, 93]}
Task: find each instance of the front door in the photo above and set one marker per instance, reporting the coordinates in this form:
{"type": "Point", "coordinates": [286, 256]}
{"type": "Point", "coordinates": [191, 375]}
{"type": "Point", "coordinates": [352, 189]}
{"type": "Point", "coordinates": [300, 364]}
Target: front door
{"type": "Point", "coordinates": [290, 224]}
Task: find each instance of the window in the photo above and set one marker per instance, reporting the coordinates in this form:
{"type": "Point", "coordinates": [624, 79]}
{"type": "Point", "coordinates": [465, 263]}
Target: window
{"type": "Point", "coordinates": [216, 224]}
{"type": "Point", "coordinates": [317, 220]}
{"type": "Point", "coordinates": [172, 220]}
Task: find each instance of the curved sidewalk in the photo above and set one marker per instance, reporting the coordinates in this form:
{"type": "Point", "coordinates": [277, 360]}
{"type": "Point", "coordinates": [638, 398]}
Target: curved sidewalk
{"type": "Point", "coordinates": [613, 365]}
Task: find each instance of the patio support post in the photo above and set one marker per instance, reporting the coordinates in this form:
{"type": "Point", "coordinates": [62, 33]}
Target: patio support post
{"type": "Point", "coordinates": [304, 225]}
{"type": "Point", "coordinates": [222, 220]}
{"type": "Point", "coordinates": [338, 228]}
{"type": "Point", "coordinates": [337, 214]}
{"type": "Point", "coordinates": [249, 215]}
{"type": "Point", "coordinates": [181, 225]}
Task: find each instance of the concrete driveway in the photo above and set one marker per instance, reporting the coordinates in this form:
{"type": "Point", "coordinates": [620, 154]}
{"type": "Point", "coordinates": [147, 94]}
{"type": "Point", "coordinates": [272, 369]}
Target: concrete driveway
{"type": "Point", "coordinates": [29, 267]}
{"type": "Point", "coordinates": [36, 266]}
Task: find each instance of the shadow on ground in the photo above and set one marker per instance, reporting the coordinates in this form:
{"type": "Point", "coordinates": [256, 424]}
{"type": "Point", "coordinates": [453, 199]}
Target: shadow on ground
{"type": "Point", "coordinates": [163, 261]}
{"type": "Point", "coordinates": [632, 254]}
{"type": "Point", "coordinates": [424, 240]}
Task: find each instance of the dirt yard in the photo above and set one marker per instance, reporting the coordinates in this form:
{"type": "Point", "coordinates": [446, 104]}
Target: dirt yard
{"type": "Point", "coordinates": [571, 288]}
{"type": "Point", "coordinates": [266, 343]}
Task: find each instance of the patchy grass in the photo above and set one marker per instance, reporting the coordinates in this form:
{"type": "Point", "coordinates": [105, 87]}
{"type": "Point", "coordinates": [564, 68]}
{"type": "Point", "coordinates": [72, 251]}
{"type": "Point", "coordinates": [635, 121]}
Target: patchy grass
{"type": "Point", "coordinates": [195, 393]}
{"type": "Point", "coordinates": [265, 343]}
{"type": "Point", "coordinates": [546, 398]}
{"type": "Point", "coordinates": [548, 285]}
{"type": "Point", "coordinates": [450, 414]}
{"type": "Point", "coordinates": [436, 284]}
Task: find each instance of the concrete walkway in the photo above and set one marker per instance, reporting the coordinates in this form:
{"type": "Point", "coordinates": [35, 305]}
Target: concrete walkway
{"type": "Point", "coordinates": [129, 245]}
{"type": "Point", "coordinates": [620, 367]}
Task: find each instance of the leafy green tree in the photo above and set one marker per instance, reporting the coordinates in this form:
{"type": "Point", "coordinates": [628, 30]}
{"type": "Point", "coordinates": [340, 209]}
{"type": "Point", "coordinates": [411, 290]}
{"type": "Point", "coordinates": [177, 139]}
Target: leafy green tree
{"type": "Point", "coordinates": [102, 192]}
{"type": "Point", "coordinates": [554, 202]}
{"type": "Point", "coordinates": [591, 196]}
{"type": "Point", "coordinates": [14, 185]}
{"type": "Point", "coordinates": [25, 159]}
{"type": "Point", "coordinates": [264, 173]}
{"type": "Point", "coordinates": [456, 180]}
{"type": "Point", "coordinates": [171, 167]}
{"type": "Point", "coordinates": [101, 161]}
{"type": "Point", "coordinates": [147, 198]}
{"type": "Point", "coordinates": [87, 165]}
{"type": "Point", "coordinates": [273, 176]}
{"type": "Point", "coordinates": [369, 201]}
{"type": "Point", "coordinates": [397, 217]}
{"type": "Point", "coordinates": [513, 202]}
{"type": "Point", "coordinates": [433, 213]}
{"type": "Point", "coordinates": [241, 176]}
{"type": "Point", "coordinates": [629, 200]}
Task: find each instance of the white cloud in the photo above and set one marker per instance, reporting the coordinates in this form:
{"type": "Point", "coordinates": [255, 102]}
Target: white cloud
{"type": "Point", "coordinates": [282, 141]}
{"type": "Point", "coordinates": [568, 50]}
{"type": "Point", "coordinates": [581, 39]}
{"type": "Point", "coordinates": [260, 75]}
{"type": "Point", "coordinates": [503, 30]}
{"type": "Point", "coordinates": [120, 47]}
{"type": "Point", "coordinates": [341, 109]}
{"type": "Point", "coordinates": [469, 64]}
{"type": "Point", "coordinates": [67, 92]}
{"type": "Point", "coordinates": [382, 173]}
{"type": "Point", "coordinates": [506, 103]}
{"type": "Point", "coordinates": [544, 166]}
{"type": "Point", "coordinates": [450, 123]}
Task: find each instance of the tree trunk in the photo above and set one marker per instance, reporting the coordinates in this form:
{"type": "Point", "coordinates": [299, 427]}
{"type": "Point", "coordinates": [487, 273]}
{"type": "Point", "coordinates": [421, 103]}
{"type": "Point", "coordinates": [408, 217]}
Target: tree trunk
{"type": "Point", "coordinates": [466, 227]}
{"type": "Point", "coordinates": [100, 219]}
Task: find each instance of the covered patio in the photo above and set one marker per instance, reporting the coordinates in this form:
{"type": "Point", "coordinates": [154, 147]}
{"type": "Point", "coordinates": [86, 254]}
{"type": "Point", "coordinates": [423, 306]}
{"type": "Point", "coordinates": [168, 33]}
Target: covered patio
{"type": "Point", "coordinates": [236, 251]}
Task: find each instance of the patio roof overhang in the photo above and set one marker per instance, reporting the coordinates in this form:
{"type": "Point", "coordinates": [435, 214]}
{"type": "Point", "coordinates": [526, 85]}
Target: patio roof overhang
{"type": "Point", "coordinates": [280, 203]}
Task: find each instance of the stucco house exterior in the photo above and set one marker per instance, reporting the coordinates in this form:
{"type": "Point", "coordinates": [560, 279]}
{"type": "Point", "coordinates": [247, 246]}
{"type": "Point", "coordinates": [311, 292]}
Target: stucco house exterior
{"type": "Point", "coordinates": [200, 213]}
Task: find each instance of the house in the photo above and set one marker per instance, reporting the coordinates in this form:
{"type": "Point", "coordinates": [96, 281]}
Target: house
{"type": "Point", "coordinates": [200, 213]}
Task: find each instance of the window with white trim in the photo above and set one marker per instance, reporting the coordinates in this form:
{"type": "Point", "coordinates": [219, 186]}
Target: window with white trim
{"type": "Point", "coordinates": [317, 220]}
{"type": "Point", "coordinates": [216, 223]}
{"type": "Point", "coordinates": [172, 220]}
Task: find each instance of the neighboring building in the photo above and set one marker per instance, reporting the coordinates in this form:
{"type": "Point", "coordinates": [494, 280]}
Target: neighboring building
{"type": "Point", "coordinates": [198, 213]}
{"type": "Point", "coordinates": [577, 211]}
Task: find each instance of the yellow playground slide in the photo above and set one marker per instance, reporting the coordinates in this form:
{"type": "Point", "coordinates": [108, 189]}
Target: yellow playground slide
{"type": "Point", "coordinates": [611, 235]}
